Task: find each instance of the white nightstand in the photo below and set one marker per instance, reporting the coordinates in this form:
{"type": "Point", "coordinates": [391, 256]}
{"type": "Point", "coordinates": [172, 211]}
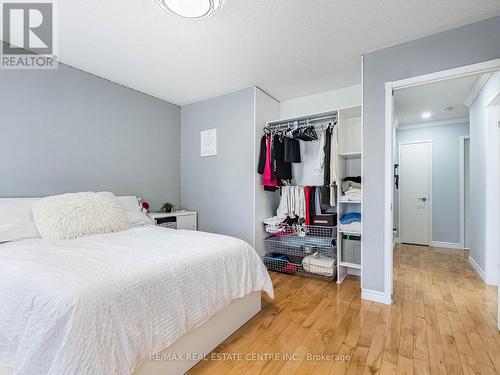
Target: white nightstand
{"type": "Point", "coordinates": [181, 219]}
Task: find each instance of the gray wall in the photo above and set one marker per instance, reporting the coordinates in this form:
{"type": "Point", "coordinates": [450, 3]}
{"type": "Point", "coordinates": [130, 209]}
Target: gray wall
{"type": "Point", "coordinates": [445, 176]}
{"type": "Point", "coordinates": [484, 156]}
{"type": "Point", "coordinates": [220, 188]}
{"type": "Point", "coordinates": [462, 46]}
{"type": "Point", "coordinates": [65, 131]}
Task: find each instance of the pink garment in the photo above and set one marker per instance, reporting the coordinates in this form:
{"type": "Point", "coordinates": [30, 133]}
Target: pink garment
{"type": "Point", "coordinates": [267, 179]}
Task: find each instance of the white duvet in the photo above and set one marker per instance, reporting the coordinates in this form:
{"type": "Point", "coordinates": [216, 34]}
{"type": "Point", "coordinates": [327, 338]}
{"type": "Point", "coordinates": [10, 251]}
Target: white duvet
{"type": "Point", "coordinates": [102, 304]}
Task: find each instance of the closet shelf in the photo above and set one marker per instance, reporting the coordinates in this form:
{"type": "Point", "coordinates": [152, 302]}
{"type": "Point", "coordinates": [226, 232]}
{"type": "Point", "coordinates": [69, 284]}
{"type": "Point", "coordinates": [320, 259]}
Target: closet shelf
{"type": "Point", "coordinates": [350, 265]}
{"type": "Point", "coordinates": [350, 232]}
{"type": "Point", "coordinates": [349, 202]}
{"type": "Point", "coordinates": [350, 155]}
{"type": "Point", "coordinates": [300, 246]}
{"type": "Point", "coordinates": [306, 231]}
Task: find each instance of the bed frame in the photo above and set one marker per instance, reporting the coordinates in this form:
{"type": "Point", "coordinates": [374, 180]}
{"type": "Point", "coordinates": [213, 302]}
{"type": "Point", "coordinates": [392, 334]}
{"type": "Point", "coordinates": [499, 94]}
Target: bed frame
{"type": "Point", "coordinates": [201, 340]}
{"type": "Point", "coordinates": [205, 338]}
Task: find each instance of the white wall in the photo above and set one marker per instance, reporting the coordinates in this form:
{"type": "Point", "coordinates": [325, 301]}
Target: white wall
{"type": "Point", "coordinates": [322, 102]}
{"type": "Point", "coordinates": [484, 161]}
{"type": "Point", "coordinates": [445, 176]}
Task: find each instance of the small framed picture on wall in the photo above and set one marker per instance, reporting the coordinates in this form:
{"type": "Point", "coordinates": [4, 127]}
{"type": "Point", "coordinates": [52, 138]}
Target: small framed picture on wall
{"type": "Point", "coordinates": [208, 142]}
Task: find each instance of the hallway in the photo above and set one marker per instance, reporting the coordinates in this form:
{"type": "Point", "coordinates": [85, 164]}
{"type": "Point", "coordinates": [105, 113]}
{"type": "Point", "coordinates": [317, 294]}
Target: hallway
{"type": "Point", "coordinates": [442, 322]}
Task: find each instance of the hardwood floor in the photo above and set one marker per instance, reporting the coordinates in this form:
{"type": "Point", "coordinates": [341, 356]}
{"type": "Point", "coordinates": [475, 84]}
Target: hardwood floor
{"type": "Point", "coordinates": [442, 321]}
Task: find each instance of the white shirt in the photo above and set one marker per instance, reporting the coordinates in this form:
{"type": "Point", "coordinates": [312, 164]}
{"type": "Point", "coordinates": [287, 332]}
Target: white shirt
{"type": "Point", "coordinates": [310, 172]}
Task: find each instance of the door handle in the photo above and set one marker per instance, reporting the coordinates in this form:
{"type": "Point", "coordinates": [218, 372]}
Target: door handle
{"type": "Point", "coordinates": [423, 199]}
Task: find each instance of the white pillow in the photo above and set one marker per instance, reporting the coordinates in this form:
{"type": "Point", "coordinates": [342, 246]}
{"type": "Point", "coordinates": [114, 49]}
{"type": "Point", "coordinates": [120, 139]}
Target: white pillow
{"type": "Point", "coordinates": [76, 215]}
{"type": "Point", "coordinates": [16, 219]}
{"type": "Point", "coordinates": [133, 208]}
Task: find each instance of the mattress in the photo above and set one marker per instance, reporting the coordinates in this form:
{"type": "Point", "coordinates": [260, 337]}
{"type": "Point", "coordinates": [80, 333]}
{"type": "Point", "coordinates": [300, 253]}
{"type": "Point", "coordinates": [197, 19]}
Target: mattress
{"type": "Point", "coordinates": [103, 304]}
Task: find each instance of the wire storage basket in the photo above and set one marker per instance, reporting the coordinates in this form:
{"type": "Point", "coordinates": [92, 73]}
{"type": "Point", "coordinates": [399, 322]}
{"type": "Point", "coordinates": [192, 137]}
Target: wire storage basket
{"type": "Point", "coordinates": [306, 250]}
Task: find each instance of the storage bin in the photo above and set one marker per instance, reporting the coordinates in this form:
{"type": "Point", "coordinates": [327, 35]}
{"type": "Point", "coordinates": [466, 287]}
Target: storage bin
{"type": "Point", "coordinates": [351, 249]}
{"type": "Point", "coordinates": [325, 220]}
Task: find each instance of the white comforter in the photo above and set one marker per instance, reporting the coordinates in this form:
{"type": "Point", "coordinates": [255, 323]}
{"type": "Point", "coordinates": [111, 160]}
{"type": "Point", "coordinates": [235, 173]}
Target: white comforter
{"type": "Point", "coordinates": [102, 304]}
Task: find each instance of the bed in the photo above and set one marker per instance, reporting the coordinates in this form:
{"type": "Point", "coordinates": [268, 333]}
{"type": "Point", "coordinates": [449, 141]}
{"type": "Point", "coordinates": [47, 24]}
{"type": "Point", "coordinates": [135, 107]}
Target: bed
{"type": "Point", "coordinates": [118, 303]}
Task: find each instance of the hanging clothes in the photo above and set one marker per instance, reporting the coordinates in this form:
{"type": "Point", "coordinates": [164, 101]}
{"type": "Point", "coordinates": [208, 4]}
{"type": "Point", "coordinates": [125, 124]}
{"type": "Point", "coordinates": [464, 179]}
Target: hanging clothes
{"type": "Point", "coordinates": [307, 192]}
{"type": "Point", "coordinates": [300, 203]}
{"type": "Point", "coordinates": [312, 201]}
{"type": "Point", "coordinates": [282, 169]}
{"type": "Point", "coordinates": [286, 204]}
{"type": "Point", "coordinates": [334, 155]}
{"type": "Point", "coordinates": [317, 200]}
{"type": "Point", "coordinates": [310, 172]}
{"type": "Point", "coordinates": [267, 179]}
{"type": "Point", "coordinates": [292, 150]}
{"type": "Point", "coordinates": [262, 155]}
{"type": "Point", "coordinates": [325, 192]}
{"type": "Point", "coordinates": [292, 203]}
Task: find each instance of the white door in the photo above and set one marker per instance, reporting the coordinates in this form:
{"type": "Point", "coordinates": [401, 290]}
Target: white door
{"type": "Point", "coordinates": [414, 192]}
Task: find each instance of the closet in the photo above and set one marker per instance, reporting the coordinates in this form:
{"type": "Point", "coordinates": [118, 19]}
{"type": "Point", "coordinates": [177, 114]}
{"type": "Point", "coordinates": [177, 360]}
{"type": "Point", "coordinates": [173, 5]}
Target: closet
{"type": "Point", "coordinates": [313, 166]}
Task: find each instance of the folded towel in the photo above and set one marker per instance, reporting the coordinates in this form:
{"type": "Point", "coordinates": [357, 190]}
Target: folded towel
{"type": "Point", "coordinates": [319, 264]}
{"type": "Point", "coordinates": [350, 197]}
{"type": "Point", "coordinates": [350, 217]}
{"type": "Point", "coordinates": [353, 190]}
{"type": "Point", "coordinates": [346, 185]}
{"type": "Point", "coordinates": [354, 227]}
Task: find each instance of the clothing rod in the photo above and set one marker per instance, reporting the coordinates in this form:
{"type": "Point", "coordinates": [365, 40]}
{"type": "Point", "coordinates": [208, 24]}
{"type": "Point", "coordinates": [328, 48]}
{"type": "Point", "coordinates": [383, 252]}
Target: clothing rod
{"type": "Point", "coordinates": [302, 122]}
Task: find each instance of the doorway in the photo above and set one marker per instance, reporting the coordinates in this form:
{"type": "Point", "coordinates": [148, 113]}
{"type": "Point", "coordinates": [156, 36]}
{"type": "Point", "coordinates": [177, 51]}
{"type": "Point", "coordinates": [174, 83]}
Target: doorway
{"type": "Point", "coordinates": [490, 67]}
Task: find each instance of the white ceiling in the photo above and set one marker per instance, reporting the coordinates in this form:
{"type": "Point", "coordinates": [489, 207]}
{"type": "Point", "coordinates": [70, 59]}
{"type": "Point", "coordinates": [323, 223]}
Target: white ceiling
{"type": "Point", "coordinates": [289, 48]}
{"type": "Point", "coordinates": [410, 103]}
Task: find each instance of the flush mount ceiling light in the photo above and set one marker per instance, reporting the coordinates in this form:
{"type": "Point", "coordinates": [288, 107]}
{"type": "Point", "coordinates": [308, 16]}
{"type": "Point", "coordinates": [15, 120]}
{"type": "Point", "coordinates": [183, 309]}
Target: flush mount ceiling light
{"type": "Point", "coordinates": [426, 115]}
{"type": "Point", "coordinates": [191, 9]}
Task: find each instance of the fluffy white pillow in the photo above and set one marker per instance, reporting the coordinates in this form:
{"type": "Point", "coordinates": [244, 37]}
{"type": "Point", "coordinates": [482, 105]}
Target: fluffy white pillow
{"type": "Point", "coordinates": [133, 209]}
{"type": "Point", "coordinates": [76, 215]}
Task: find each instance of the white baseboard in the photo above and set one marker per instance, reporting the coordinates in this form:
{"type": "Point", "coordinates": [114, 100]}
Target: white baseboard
{"type": "Point", "coordinates": [375, 296]}
{"type": "Point", "coordinates": [478, 269]}
{"type": "Point", "coordinates": [447, 245]}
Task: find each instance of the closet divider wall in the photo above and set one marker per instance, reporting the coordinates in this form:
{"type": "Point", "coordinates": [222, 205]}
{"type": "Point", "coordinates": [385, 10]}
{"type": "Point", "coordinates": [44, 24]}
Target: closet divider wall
{"type": "Point", "coordinates": [323, 249]}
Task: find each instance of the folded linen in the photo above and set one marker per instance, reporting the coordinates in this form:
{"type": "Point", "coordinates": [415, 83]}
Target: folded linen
{"type": "Point", "coordinates": [346, 185]}
{"type": "Point", "coordinates": [353, 178]}
{"type": "Point", "coordinates": [350, 217]}
{"type": "Point", "coordinates": [350, 197]}
{"type": "Point", "coordinates": [319, 264]}
{"type": "Point", "coordinates": [275, 220]}
{"type": "Point", "coordinates": [354, 227]}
